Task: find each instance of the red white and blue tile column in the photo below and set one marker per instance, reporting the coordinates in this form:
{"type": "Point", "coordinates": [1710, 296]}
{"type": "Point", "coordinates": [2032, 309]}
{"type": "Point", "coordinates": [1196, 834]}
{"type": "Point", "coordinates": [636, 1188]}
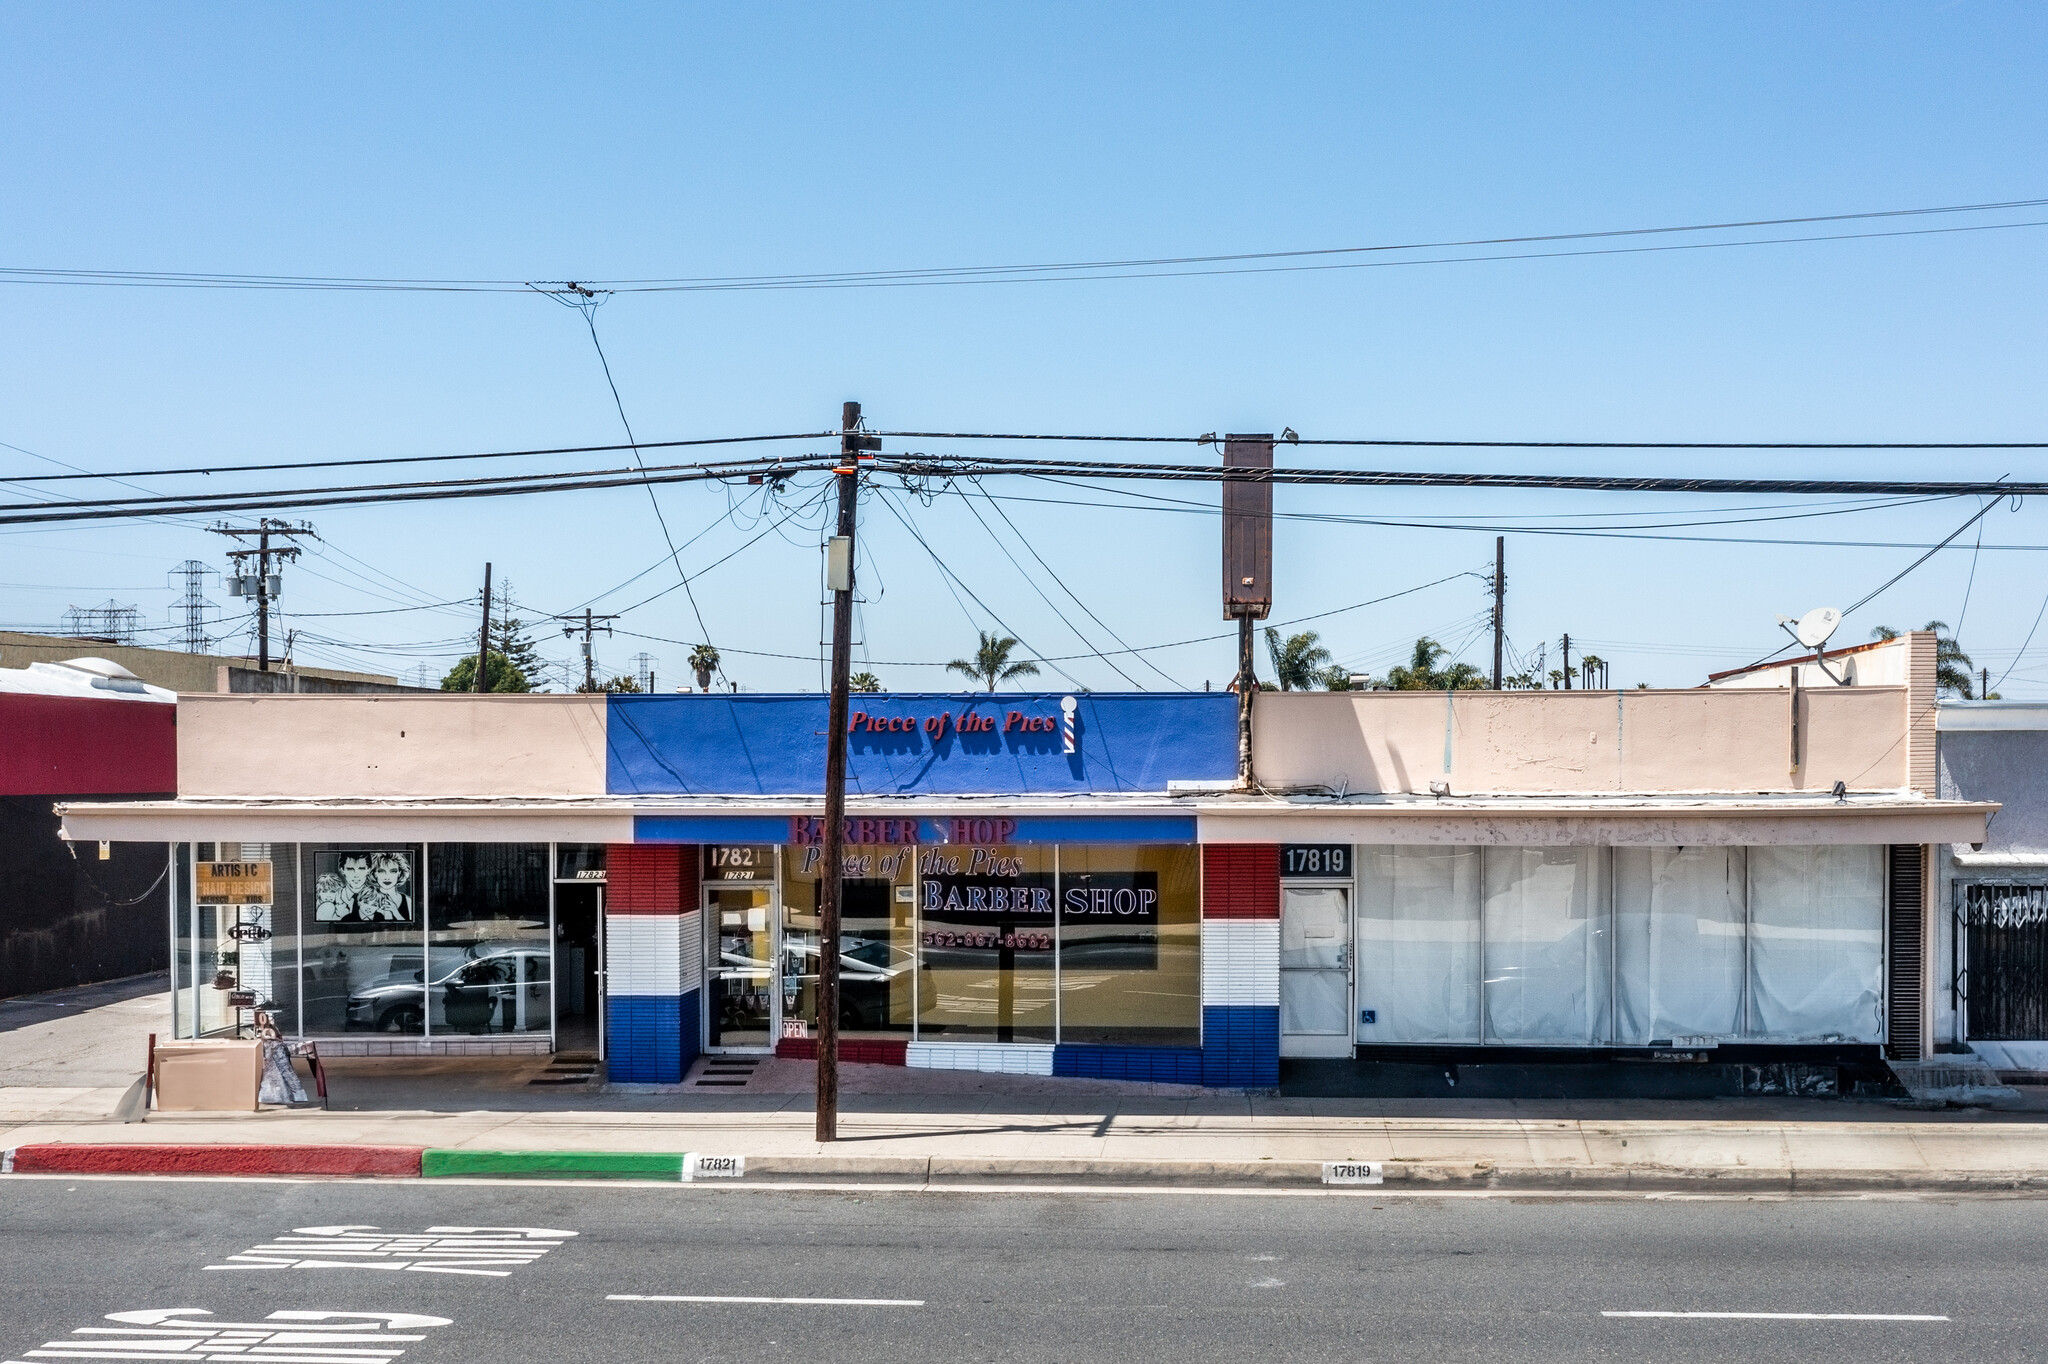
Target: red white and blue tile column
{"type": "Point", "coordinates": [1241, 965]}
{"type": "Point", "coordinates": [654, 962]}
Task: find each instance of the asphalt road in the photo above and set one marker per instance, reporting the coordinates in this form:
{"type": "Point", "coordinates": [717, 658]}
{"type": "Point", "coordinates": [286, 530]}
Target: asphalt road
{"type": "Point", "coordinates": [1055, 1277]}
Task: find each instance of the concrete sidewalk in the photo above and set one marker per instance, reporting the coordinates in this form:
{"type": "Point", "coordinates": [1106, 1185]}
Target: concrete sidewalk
{"type": "Point", "coordinates": [940, 1127]}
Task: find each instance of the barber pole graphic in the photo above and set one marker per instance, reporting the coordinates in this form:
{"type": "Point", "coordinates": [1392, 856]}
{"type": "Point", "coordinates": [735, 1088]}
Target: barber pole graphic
{"type": "Point", "coordinates": [1068, 707]}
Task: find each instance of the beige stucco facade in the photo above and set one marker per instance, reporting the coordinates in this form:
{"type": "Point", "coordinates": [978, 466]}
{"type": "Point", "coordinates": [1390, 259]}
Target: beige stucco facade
{"type": "Point", "coordinates": [1735, 740]}
{"type": "Point", "coordinates": [426, 747]}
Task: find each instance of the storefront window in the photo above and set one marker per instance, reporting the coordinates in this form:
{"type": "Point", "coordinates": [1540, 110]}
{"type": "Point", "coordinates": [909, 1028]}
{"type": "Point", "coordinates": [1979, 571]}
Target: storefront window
{"type": "Point", "coordinates": [987, 926]}
{"type": "Point", "coordinates": [185, 946]}
{"type": "Point", "coordinates": [1418, 944]}
{"type": "Point", "coordinates": [1547, 956]}
{"type": "Point", "coordinates": [488, 955]}
{"type": "Point", "coordinates": [1816, 942]}
{"type": "Point", "coordinates": [361, 938]}
{"type": "Point", "coordinates": [1627, 946]}
{"type": "Point", "coordinates": [579, 862]}
{"type": "Point", "coordinates": [1680, 949]}
{"type": "Point", "coordinates": [877, 957]}
{"type": "Point", "coordinates": [1130, 944]}
{"type": "Point", "coordinates": [268, 940]}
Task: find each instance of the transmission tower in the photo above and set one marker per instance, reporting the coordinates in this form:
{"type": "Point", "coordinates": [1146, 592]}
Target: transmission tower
{"type": "Point", "coordinates": [191, 612]}
{"type": "Point", "coordinates": [643, 671]}
{"type": "Point", "coordinates": [110, 621]}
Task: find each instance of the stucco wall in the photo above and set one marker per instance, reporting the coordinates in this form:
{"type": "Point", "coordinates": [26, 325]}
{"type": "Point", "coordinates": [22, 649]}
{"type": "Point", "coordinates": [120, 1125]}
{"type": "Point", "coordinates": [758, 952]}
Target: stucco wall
{"type": "Point", "coordinates": [1642, 741]}
{"type": "Point", "coordinates": [2009, 766]}
{"type": "Point", "coordinates": [428, 746]}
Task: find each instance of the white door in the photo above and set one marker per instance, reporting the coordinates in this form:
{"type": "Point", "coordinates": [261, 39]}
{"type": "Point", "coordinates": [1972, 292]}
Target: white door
{"type": "Point", "coordinates": [1315, 971]}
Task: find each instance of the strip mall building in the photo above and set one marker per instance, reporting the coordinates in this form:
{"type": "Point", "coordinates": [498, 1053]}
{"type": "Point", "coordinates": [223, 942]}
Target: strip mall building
{"type": "Point", "coordinates": [1743, 872]}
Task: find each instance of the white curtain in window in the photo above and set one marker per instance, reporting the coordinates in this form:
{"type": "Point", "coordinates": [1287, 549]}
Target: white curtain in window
{"type": "Point", "coordinates": [1546, 930]}
{"type": "Point", "coordinates": [1816, 949]}
{"type": "Point", "coordinates": [1679, 924]}
{"type": "Point", "coordinates": [1418, 944]}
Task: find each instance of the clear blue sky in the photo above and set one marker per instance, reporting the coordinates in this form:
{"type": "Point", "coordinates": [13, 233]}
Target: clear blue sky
{"type": "Point", "coordinates": [579, 141]}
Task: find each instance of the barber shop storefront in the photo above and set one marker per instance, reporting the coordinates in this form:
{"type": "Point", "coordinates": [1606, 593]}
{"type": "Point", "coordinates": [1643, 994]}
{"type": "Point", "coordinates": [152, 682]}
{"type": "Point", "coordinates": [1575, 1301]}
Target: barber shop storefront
{"type": "Point", "coordinates": [1024, 890]}
{"type": "Point", "coordinates": [1051, 885]}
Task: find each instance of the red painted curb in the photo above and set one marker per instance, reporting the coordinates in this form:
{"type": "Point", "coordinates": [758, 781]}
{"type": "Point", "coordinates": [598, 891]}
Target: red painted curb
{"type": "Point", "coordinates": [168, 1159]}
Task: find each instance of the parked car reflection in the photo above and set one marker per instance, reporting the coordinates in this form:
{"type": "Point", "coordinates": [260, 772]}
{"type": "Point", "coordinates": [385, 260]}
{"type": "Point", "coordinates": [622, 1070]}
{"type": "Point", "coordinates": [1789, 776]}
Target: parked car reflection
{"type": "Point", "coordinates": [477, 988]}
{"type": "Point", "coordinates": [867, 969]}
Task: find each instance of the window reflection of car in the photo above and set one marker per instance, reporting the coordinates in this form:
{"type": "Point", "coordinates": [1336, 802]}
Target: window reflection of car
{"type": "Point", "coordinates": [736, 961]}
{"type": "Point", "coordinates": [468, 989]}
{"type": "Point", "coordinates": [867, 966]}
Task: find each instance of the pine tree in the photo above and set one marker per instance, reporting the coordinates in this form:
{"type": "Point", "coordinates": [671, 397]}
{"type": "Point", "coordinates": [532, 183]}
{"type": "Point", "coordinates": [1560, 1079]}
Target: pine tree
{"type": "Point", "coordinates": [511, 643]}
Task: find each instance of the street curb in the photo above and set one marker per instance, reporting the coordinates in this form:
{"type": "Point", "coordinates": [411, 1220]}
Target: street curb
{"type": "Point", "coordinates": [446, 1163]}
{"type": "Point", "coordinates": [1399, 1176]}
{"type": "Point", "coordinates": [173, 1159]}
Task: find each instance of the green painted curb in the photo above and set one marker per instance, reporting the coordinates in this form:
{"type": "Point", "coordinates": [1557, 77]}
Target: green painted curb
{"type": "Point", "coordinates": [442, 1163]}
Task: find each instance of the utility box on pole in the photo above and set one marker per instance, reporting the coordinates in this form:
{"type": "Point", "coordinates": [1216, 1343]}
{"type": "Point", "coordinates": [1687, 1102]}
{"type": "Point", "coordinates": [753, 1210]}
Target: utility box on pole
{"type": "Point", "coordinates": [1247, 530]}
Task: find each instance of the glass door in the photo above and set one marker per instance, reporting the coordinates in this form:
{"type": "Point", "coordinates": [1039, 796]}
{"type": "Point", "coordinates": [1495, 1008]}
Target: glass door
{"type": "Point", "coordinates": [742, 1003]}
{"type": "Point", "coordinates": [1315, 971]}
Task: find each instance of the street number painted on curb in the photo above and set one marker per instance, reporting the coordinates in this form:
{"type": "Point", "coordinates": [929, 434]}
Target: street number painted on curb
{"type": "Point", "coordinates": [713, 1167]}
{"type": "Point", "coordinates": [1354, 1172]}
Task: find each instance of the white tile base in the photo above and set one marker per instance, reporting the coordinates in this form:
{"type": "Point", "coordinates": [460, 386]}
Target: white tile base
{"type": "Point", "coordinates": [997, 1058]}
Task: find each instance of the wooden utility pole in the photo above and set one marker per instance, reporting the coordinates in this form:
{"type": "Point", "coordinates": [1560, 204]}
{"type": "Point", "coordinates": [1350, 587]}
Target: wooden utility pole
{"type": "Point", "coordinates": [262, 554]}
{"type": "Point", "coordinates": [1500, 594]}
{"type": "Point", "coordinates": [853, 448]}
{"type": "Point", "coordinates": [592, 623]}
{"type": "Point", "coordinates": [483, 638]}
{"type": "Point", "coordinates": [1567, 662]}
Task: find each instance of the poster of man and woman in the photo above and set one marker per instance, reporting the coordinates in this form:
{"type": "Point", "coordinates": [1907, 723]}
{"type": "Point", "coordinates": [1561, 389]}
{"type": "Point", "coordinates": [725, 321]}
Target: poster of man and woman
{"type": "Point", "coordinates": [358, 887]}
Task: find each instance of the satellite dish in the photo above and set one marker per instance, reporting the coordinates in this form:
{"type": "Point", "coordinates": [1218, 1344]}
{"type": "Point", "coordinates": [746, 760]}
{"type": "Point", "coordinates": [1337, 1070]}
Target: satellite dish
{"type": "Point", "coordinates": [1816, 625]}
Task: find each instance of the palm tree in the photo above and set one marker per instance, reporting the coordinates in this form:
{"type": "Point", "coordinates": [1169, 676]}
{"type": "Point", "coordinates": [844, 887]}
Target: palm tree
{"type": "Point", "coordinates": [1421, 673]}
{"type": "Point", "coordinates": [1298, 662]}
{"type": "Point", "coordinates": [991, 663]}
{"type": "Point", "coordinates": [863, 682]}
{"type": "Point", "coordinates": [1951, 664]}
{"type": "Point", "coordinates": [704, 662]}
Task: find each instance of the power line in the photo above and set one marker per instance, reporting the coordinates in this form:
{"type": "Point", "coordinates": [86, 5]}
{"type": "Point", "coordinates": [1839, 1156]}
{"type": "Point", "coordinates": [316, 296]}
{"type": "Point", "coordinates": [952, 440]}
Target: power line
{"type": "Point", "coordinates": [945, 569]}
{"type": "Point", "coordinates": [1394, 442]}
{"type": "Point", "coordinates": [1068, 590]}
{"type": "Point", "coordinates": [926, 467]}
{"type": "Point", "coordinates": [1086, 642]}
{"type": "Point", "coordinates": [1076, 658]}
{"type": "Point", "coordinates": [587, 302]}
{"type": "Point", "coordinates": [1129, 268]}
{"type": "Point", "coordinates": [399, 459]}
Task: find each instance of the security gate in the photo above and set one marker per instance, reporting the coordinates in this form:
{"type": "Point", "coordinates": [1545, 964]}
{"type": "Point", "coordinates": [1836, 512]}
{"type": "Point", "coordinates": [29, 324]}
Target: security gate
{"type": "Point", "coordinates": [2001, 983]}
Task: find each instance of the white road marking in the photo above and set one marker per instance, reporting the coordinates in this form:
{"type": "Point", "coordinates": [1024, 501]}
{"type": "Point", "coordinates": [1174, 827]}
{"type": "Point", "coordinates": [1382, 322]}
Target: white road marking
{"type": "Point", "coordinates": [1787, 1316]}
{"type": "Point", "coordinates": [285, 1337]}
{"type": "Point", "coordinates": [801, 1302]}
{"type": "Point", "coordinates": [492, 1252]}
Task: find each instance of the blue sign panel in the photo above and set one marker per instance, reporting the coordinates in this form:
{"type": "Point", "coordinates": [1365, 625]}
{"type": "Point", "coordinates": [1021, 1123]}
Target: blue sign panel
{"type": "Point", "coordinates": [864, 830]}
{"type": "Point", "coordinates": [935, 744]}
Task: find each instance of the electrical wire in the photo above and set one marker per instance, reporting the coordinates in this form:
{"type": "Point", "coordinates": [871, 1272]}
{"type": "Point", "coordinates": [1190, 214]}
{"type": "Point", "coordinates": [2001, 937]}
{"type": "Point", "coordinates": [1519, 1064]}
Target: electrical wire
{"type": "Point", "coordinates": [1026, 540]}
{"type": "Point", "coordinates": [1130, 268]}
{"type": "Point", "coordinates": [1086, 642]}
{"type": "Point", "coordinates": [948, 572]}
{"type": "Point", "coordinates": [399, 459]}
